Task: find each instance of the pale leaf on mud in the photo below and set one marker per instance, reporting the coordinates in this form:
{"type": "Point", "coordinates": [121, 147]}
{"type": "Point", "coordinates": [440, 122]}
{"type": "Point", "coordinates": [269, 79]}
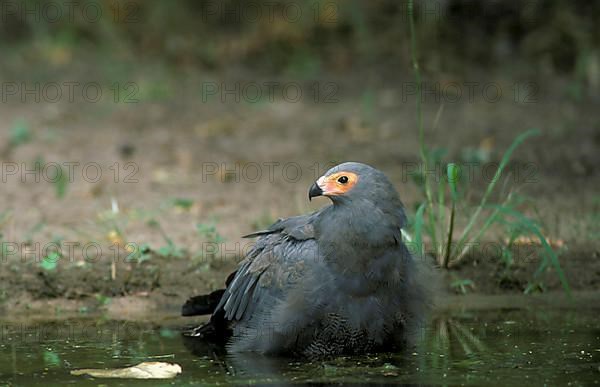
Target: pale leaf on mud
{"type": "Point", "coordinates": [145, 370]}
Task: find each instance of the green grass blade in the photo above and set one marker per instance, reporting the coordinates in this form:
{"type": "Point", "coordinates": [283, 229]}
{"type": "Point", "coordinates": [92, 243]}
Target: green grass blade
{"type": "Point", "coordinates": [550, 254]}
{"type": "Point", "coordinates": [418, 241]}
{"type": "Point", "coordinates": [452, 173]}
{"type": "Point", "coordinates": [505, 159]}
{"type": "Point", "coordinates": [490, 220]}
{"type": "Point", "coordinates": [441, 215]}
{"type": "Point", "coordinates": [423, 150]}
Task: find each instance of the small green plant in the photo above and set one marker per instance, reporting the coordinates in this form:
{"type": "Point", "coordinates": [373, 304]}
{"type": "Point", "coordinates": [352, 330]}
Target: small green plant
{"type": "Point", "coordinates": [433, 218]}
{"type": "Point", "coordinates": [139, 253]}
{"type": "Point", "coordinates": [50, 261]}
{"type": "Point", "coordinates": [209, 234]}
{"type": "Point", "coordinates": [103, 300]}
{"type": "Point", "coordinates": [19, 133]}
{"type": "Point", "coordinates": [170, 249]}
{"type": "Point", "coordinates": [462, 285]}
{"type": "Point", "coordinates": [55, 175]}
{"type": "Point", "coordinates": [183, 203]}
{"type": "Point", "coordinates": [60, 179]}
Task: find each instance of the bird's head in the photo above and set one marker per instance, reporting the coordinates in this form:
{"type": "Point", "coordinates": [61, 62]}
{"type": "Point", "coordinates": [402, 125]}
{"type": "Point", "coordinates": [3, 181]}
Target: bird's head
{"type": "Point", "coordinates": [353, 182]}
{"type": "Point", "coordinates": [363, 199]}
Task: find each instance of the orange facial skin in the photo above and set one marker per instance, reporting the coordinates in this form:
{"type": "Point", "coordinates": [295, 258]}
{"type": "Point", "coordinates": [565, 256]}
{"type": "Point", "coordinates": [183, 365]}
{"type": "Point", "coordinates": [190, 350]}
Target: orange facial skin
{"type": "Point", "coordinates": [332, 186]}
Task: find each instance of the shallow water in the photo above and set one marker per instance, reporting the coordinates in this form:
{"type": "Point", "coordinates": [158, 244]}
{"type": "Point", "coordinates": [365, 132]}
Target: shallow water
{"type": "Point", "coordinates": [497, 347]}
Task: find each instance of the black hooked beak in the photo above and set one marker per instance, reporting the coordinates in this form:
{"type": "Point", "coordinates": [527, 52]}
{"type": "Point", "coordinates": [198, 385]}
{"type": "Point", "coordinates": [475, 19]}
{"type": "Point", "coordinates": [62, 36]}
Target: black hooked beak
{"type": "Point", "coordinates": [315, 190]}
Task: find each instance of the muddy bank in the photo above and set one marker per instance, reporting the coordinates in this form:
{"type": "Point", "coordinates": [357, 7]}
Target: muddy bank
{"type": "Point", "coordinates": [164, 310]}
{"type": "Point", "coordinates": [158, 286]}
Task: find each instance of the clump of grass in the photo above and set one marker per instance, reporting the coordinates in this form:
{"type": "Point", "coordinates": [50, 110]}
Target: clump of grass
{"type": "Point", "coordinates": [432, 218]}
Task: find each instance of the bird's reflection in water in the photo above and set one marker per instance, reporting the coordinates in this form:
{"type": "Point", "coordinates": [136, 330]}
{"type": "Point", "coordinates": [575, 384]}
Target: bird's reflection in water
{"type": "Point", "coordinates": [248, 366]}
{"type": "Point", "coordinates": [245, 365]}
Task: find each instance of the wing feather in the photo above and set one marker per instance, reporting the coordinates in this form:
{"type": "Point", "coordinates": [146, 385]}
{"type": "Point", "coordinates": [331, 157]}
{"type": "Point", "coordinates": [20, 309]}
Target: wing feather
{"type": "Point", "coordinates": [246, 296]}
{"type": "Point", "coordinates": [270, 266]}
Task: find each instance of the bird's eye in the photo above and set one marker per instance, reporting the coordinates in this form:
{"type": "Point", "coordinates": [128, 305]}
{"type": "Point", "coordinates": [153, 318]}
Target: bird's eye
{"type": "Point", "coordinates": [343, 179]}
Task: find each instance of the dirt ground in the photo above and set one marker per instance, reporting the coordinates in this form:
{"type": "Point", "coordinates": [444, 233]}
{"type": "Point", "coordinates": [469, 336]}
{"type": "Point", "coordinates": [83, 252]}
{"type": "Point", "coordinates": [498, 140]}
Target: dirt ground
{"type": "Point", "coordinates": [147, 173]}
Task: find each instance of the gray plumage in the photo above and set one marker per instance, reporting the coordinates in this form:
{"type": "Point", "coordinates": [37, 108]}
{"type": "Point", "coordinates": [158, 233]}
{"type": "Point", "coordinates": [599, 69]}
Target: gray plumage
{"type": "Point", "coordinates": [337, 281]}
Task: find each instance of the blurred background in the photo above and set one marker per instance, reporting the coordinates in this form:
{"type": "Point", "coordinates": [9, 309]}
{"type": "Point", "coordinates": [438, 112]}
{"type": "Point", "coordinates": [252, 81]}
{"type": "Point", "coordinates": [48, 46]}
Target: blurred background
{"type": "Point", "coordinates": [151, 135]}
